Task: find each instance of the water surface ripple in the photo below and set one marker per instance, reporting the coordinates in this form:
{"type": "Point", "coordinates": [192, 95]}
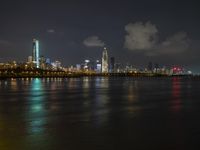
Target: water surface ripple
{"type": "Point", "coordinates": [100, 113]}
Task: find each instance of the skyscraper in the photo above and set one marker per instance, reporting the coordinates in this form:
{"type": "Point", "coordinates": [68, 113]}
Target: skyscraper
{"type": "Point", "coordinates": [112, 64]}
{"type": "Point", "coordinates": [104, 68]}
{"type": "Point", "coordinates": [35, 53]}
{"type": "Point", "coordinates": [30, 59]}
{"type": "Point", "coordinates": [98, 66]}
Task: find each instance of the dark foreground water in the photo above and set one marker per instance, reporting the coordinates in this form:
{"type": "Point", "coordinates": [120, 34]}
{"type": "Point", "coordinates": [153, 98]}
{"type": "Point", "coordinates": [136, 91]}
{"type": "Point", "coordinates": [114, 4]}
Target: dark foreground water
{"type": "Point", "coordinates": [100, 113]}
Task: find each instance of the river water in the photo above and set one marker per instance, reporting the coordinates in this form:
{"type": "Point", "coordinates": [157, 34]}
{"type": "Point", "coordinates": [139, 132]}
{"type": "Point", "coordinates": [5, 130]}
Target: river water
{"type": "Point", "coordinates": [100, 113]}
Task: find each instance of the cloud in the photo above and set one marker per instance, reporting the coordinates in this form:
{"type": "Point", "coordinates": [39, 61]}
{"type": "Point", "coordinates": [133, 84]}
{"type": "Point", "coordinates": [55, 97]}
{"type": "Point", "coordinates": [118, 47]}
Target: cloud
{"type": "Point", "coordinates": [140, 36]}
{"type": "Point", "coordinates": [143, 37]}
{"type": "Point", "coordinates": [177, 43]}
{"type": "Point", "coordinates": [93, 41]}
{"type": "Point", "coordinates": [51, 31]}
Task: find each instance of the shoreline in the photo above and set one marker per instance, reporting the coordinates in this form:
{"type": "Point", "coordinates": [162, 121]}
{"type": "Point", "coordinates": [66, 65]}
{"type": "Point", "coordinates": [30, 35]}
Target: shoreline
{"type": "Point", "coordinates": [4, 77]}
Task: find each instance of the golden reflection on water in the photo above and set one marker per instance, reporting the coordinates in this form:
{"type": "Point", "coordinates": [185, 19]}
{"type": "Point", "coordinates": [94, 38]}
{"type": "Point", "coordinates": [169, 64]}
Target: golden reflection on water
{"type": "Point", "coordinates": [87, 104]}
{"type": "Point", "coordinates": [132, 96]}
{"type": "Point", "coordinates": [72, 83]}
{"type": "Point", "coordinates": [132, 92]}
{"type": "Point", "coordinates": [96, 99]}
{"type": "Point", "coordinates": [101, 82]}
{"type": "Point", "coordinates": [102, 97]}
{"type": "Point", "coordinates": [101, 91]}
{"type": "Point", "coordinates": [86, 89]}
{"type": "Point", "coordinates": [13, 85]}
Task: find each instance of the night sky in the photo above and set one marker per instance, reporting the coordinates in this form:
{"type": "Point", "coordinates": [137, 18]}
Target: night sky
{"type": "Point", "coordinates": [135, 32]}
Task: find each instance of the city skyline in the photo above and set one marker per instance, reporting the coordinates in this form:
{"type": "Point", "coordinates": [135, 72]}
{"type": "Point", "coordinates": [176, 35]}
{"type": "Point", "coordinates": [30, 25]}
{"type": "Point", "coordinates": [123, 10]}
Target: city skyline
{"type": "Point", "coordinates": [106, 65]}
{"type": "Point", "coordinates": [99, 74]}
{"type": "Point", "coordinates": [134, 32]}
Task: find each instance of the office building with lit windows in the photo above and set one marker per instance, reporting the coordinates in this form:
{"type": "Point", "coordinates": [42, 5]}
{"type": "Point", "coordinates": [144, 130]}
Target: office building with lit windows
{"type": "Point", "coordinates": [35, 53]}
{"type": "Point", "coordinates": [104, 66]}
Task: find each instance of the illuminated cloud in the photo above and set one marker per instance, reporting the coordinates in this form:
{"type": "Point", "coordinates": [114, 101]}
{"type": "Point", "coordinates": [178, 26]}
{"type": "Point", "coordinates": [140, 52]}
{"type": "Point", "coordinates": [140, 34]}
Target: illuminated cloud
{"type": "Point", "coordinates": [143, 36]}
{"type": "Point", "coordinates": [140, 36]}
{"type": "Point", "coordinates": [93, 41]}
{"type": "Point", "coordinates": [177, 43]}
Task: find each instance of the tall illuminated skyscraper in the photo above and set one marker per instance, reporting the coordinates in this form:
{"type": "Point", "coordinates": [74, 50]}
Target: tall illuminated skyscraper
{"type": "Point", "coordinates": [35, 53]}
{"type": "Point", "coordinates": [104, 68]}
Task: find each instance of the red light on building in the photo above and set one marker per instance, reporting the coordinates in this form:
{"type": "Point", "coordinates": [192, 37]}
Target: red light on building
{"type": "Point", "coordinates": [177, 70]}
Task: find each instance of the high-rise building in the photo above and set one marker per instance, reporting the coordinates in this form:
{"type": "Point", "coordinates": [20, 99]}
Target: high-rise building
{"type": "Point", "coordinates": [86, 64]}
{"type": "Point", "coordinates": [78, 67]}
{"type": "Point", "coordinates": [104, 67]}
{"type": "Point", "coordinates": [112, 64]}
{"type": "Point", "coordinates": [156, 67]}
{"type": "Point", "coordinates": [98, 66]}
{"type": "Point", "coordinates": [56, 65]}
{"type": "Point", "coordinates": [118, 67]}
{"type": "Point", "coordinates": [35, 53]}
{"type": "Point", "coordinates": [48, 61]}
{"type": "Point", "coordinates": [42, 62]}
{"type": "Point", "coordinates": [42, 59]}
{"type": "Point", "coordinates": [30, 59]}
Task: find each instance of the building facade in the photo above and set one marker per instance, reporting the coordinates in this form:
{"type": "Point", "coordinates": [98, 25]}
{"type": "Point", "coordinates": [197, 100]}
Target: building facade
{"type": "Point", "coordinates": [104, 66]}
{"type": "Point", "coordinates": [35, 53]}
{"type": "Point", "coordinates": [112, 64]}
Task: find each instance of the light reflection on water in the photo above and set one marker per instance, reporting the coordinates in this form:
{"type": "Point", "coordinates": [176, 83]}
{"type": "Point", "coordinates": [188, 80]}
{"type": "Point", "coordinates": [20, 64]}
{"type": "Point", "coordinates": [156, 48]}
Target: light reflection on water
{"type": "Point", "coordinates": [132, 97]}
{"type": "Point", "coordinates": [96, 111]}
{"type": "Point", "coordinates": [176, 95]}
{"type": "Point", "coordinates": [36, 111]}
{"type": "Point", "coordinates": [101, 109]}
